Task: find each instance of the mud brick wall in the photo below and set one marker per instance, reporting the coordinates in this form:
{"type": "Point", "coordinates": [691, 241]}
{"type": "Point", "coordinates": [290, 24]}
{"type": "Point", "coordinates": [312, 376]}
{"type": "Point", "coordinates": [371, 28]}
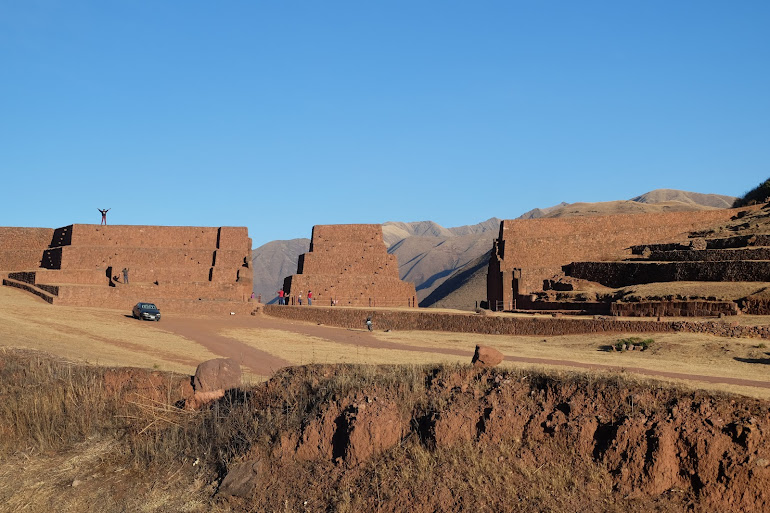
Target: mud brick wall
{"type": "Point", "coordinates": [21, 248]}
{"type": "Point", "coordinates": [230, 258]}
{"type": "Point", "coordinates": [83, 257]}
{"type": "Point", "coordinates": [710, 255]}
{"type": "Point", "coordinates": [623, 274]}
{"type": "Point", "coordinates": [422, 320]}
{"type": "Point", "coordinates": [235, 238]}
{"type": "Point", "coordinates": [349, 264]}
{"type": "Point", "coordinates": [78, 276]}
{"type": "Point", "coordinates": [356, 260]}
{"type": "Point", "coordinates": [113, 298]}
{"type": "Point", "coordinates": [674, 308]}
{"type": "Point", "coordinates": [331, 235]}
{"type": "Point", "coordinates": [225, 274]}
{"type": "Point", "coordinates": [358, 290]}
{"type": "Point", "coordinates": [25, 238]}
{"type": "Point", "coordinates": [739, 241]}
{"type": "Point", "coordinates": [18, 259]}
{"type": "Point", "coordinates": [672, 246]}
{"type": "Point", "coordinates": [540, 247]}
{"type": "Point", "coordinates": [178, 237]}
{"type": "Point", "coordinates": [95, 295]}
{"type": "Point", "coordinates": [196, 274]}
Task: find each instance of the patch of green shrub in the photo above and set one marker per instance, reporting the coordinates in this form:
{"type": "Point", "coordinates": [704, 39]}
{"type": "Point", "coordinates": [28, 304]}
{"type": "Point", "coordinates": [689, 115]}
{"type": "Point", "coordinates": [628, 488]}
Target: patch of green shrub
{"type": "Point", "coordinates": [759, 194]}
{"type": "Point", "coordinates": [642, 344]}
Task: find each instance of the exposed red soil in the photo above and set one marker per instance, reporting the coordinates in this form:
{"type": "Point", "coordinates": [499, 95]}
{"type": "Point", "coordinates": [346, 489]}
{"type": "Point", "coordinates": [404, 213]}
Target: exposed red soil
{"type": "Point", "coordinates": [650, 448]}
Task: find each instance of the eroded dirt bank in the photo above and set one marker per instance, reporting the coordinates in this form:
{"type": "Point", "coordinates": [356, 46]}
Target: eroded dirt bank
{"type": "Point", "coordinates": [446, 439]}
{"type": "Point", "coordinates": [377, 438]}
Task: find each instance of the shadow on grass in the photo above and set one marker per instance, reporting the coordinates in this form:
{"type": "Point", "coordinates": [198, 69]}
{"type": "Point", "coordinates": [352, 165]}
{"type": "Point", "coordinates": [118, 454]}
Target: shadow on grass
{"type": "Point", "coordinates": [763, 361]}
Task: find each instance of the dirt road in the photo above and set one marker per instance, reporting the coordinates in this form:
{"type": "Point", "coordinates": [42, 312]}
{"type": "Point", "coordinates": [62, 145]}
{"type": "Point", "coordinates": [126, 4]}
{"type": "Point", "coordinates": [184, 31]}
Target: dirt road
{"type": "Point", "coordinates": [205, 332]}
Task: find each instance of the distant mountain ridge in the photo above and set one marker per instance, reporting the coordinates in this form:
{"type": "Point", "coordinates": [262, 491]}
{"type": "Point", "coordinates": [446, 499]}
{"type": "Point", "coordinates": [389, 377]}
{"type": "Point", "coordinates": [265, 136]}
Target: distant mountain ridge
{"type": "Point", "coordinates": [697, 198]}
{"type": "Point", "coordinates": [394, 231]}
{"type": "Point", "coordinates": [447, 264]}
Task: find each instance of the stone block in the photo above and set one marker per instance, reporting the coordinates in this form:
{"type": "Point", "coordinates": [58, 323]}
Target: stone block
{"type": "Point", "coordinates": [217, 374]}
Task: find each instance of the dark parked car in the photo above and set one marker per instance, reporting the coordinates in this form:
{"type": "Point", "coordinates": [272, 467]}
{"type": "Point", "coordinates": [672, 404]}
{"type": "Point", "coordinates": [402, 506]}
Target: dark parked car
{"type": "Point", "coordinates": [146, 311]}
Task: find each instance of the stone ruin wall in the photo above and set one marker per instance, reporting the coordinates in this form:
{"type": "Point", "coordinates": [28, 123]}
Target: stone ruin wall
{"type": "Point", "coordinates": [624, 274]}
{"type": "Point", "coordinates": [540, 247]}
{"type": "Point", "coordinates": [349, 264]}
{"type": "Point", "coordinates": [425, 320]}
{"type": "Point", "coordinates": [181, 268]}
{"type": "Point", "coordinates": [696, 308]}
{"type": "Point", "coordinates": [22, 248]}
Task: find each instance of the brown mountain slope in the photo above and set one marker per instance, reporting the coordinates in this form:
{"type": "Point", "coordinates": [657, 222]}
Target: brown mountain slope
{"type": "Point", "coordinates": [706, 200]}
{"type": "Point", "coordinates": [429, 261]}
{"type": "Point", "coordinates": [392, 232]}
{"type": "Point", "coordinates": [274, 261]}
{"type": "Point", "coordinates": [464, 289]}
{"type": "Point", "coordinates": [659, 200]}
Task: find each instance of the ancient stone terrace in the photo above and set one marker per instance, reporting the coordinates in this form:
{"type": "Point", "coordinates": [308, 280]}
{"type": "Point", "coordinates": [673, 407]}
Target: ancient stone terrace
{"type": "Point", "coordinates": [198, 269]}
{"type": "Point", "coordinates": [528, 252]}
{"type": "Point", "coordinates": [723, 260]}
{"type": "Point", "coordinates": [349, 265]}
{"type": "Point", "coordinates": [22, 248]}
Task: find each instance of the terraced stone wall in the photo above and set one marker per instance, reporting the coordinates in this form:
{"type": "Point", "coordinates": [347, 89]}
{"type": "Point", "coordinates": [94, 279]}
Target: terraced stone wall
{"type": "Point", "coordinates": [424, 320]}
{"type": "Point", "coordinates": [22, 248]}
{"type": "Point", "coordinates": [138, 236]}
{"type": "Point", "coordinates": [175, 266]}
{"type": "Point", "coordinates": [674, 308]}
{"type": "Point", "coordinates": [711, 255]}
{"type": "Point", "coordinates": [532, 250]}
{"type": "Point", "coordinates": [349, 265]}
{"type": "Point", "coordinates": [623, 274]}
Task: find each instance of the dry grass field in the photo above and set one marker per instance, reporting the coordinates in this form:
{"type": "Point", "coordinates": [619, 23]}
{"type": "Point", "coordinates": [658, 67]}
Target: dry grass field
{"type": "Point", "coordinates": [111, 338]}
{"type": "Point", "coordinates": [93, 335]}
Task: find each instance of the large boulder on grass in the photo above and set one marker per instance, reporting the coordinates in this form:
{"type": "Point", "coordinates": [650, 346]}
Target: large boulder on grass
{"type": "Point", "coordinates": [211, 379]}
{"type": "Point", "coordinates": [486, 357]}
{"type": "Point", "coordinates": [217, 374]}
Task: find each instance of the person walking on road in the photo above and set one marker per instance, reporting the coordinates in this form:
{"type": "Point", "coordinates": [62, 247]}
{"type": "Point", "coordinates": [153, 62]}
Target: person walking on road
{"type": "Point", "coordinates": [309, 298]}
{"type": "Point", "coordinates": [104, 215]}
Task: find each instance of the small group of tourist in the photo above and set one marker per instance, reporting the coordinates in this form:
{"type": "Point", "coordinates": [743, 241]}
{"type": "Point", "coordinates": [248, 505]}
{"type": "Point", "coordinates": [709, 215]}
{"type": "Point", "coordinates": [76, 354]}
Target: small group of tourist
{"type": "Point", "coordinates": [283, 298]}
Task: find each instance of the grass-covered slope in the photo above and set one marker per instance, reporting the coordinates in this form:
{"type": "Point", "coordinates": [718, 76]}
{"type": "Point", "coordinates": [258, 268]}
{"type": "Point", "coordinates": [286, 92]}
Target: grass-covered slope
{"type": "Point", "coordinates": [365, 438]}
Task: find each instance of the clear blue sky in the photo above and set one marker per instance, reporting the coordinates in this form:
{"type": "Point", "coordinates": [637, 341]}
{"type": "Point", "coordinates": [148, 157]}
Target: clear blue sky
{"type": "Point", "coordinates": [284, 114]}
